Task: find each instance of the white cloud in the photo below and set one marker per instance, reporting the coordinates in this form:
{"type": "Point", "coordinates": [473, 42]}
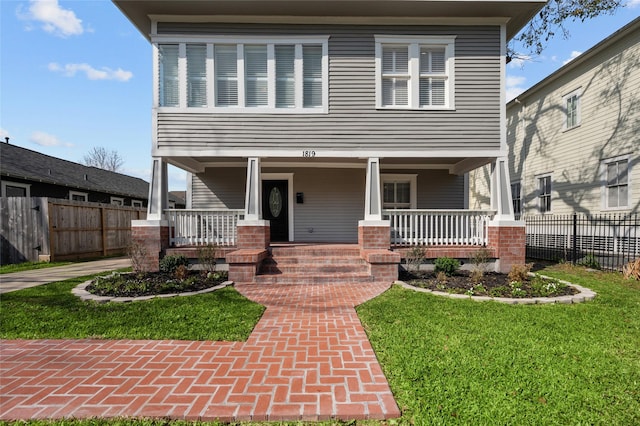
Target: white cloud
{"type": "Point", "coordinates": [633, 3]}
{"type": "Point", "coordinates": [574, 54]}
{"type": "Point", "coordinates": [45, 139]}
{"type": "Point", "coordinates": [54, 19]}
{"type": "Point", "coordinates": [104, 73]}
{"type": "Point", "coordinates": [4, 133]}
{"type": "Point", "coordinates": [515, 86]}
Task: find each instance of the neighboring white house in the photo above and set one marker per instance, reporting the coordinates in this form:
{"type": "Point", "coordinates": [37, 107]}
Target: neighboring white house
{"type": "Point", "coordinates": [320, 121]}
{"type": "Point", "coordinates": [574, 138]}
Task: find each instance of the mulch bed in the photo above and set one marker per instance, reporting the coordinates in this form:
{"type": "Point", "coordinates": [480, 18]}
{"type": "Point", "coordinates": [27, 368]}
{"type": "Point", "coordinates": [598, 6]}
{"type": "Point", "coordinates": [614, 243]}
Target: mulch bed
{"type": "Point", "coordinates": [491, 284]}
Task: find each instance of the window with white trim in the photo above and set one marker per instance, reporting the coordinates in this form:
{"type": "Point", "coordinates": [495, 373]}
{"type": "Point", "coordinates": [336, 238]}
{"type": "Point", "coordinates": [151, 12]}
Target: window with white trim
{"type": "Point", "coordinates": [399, 191]}
{"type": "Point", "coordinates": [15, 189]}
{"type": "Point", "coordinates": [136, 203]}
{"type": "Point", "coordinates": [572, 103]}
{"type": "Point", "coordinates": [516, 191]}
{"type": "Point", "coordinates": [253, 75]}
{"type": "Point", "coordinates": [415, 73]}
{"type": "Point", "coordinates": [616, 183]}
{"type": "Point", "coordinates": [78, 196]}
{"type": "Point", "coordinates": [544, 193]}
{"type": "Point", "coordinates": [117, 201]}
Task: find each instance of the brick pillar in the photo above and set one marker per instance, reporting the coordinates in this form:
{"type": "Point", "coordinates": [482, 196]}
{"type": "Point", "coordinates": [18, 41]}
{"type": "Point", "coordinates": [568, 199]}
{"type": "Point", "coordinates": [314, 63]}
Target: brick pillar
{"type": "Point", "coordinates": [153, 235]}
{"type": "Point", "coordinates": [508, 239]}
{"type": "Point", "coordinates": [374, 234]}
{"type": "Point", "coordinates": [253, 240]}
{"type": "Point", "coordinates": [374, 238]}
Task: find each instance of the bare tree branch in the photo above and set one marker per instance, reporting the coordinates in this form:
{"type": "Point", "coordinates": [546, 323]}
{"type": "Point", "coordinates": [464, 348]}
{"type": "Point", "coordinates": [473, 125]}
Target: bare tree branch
{"type": "Point", "coordinates": [102, 158]}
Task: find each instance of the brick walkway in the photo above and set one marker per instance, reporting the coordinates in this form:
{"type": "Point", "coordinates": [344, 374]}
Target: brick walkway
{"type": "Point", "coordinates": [308, 358]}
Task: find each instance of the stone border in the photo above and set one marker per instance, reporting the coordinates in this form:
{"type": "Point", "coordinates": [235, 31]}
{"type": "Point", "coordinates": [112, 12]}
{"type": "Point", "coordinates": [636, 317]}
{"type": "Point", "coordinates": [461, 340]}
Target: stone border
{"type": "Point", "coordinates": [584, 295]}
{"type": "Point", "coordinates": [82, 293]}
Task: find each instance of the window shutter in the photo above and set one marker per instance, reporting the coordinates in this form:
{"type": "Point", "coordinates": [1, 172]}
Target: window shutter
{"type": "Point", "coordinates": [256, 88]}
{"type": "Point", "coordinates": [196, 75]}
{"type": "Point", "coordinates": [168, 84]}
{"type": "Point", "coordinates": [312, 76]}
{"type": "Point", "coordinates": [226, 71]}
{"type": "Point", "coordinates": [285, 76]}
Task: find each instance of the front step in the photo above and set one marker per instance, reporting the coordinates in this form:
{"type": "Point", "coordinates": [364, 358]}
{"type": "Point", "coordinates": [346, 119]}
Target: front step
{"type": "Point", "coordinates": [314, 264]}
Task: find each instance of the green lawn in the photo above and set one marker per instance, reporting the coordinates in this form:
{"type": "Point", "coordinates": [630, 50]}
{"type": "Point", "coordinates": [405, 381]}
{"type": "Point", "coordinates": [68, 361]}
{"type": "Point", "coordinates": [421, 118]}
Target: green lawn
{"type": "Point", "coordinates": [52, 312]}
{"type": "Point", "coordinates": [466, 362]}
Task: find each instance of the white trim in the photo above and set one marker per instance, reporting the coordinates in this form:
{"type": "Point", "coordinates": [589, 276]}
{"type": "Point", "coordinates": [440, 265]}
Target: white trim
{"type": "Point", "coordinates": [413, 187]}
{"type": "Point", "coordinates": [118, 201]}
{"type": "Point", "coordinates": [26, 186]}
{"type": "Point", "coordinates": [603, 182]}
{"type": "Point", "coordinates": [414, 43]}
{"type": "Point", "coordinates": [503, 87]}
{"type": "Point", "coordinates": [289, 178]}
{"type": "Point", "coordinates": [139, 202]}
{"type": "Point", "coordinates": [182, 75]}
{"type": "Point", "coordinates": [80, 194]}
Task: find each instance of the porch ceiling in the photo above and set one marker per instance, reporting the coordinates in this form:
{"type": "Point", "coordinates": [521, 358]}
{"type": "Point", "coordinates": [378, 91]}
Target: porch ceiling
{"type": "Point", "coordinates": [515, 12]}
{"type": "Point", "coordinates": [455, 165]}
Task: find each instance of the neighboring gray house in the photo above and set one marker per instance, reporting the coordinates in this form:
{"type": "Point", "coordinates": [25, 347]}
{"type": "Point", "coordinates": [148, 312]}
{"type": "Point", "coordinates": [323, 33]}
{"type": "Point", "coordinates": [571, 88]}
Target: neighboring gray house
{"type": "Point", "coordinates": [574, 138]}
{"type": "Point", "coordinates": [320, 121]}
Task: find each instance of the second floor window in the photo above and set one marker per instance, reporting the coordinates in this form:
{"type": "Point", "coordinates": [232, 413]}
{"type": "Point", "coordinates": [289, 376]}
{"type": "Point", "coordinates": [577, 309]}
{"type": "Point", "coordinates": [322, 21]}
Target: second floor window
{"type": "Point", "coordinates": [415, 73]}
{"type": "Point", "coordinates": [572, 110]}
{"type": "Point", "coordinates": [243, 77]}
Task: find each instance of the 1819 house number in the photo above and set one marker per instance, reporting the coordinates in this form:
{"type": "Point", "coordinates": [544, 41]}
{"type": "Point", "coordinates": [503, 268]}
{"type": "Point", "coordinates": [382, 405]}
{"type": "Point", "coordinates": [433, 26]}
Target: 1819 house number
{"type": "Point", "coordinates": [308, 154]}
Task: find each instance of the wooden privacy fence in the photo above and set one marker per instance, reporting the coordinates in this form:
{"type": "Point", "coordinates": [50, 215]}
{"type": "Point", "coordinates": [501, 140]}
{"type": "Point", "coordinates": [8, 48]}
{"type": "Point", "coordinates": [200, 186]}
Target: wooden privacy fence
{"type": "Point", "coordinates": [41, 228]}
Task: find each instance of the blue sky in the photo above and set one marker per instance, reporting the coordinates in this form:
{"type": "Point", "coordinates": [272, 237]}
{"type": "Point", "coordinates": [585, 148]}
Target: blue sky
{"type": "Point", "coordinates": [76, 75]}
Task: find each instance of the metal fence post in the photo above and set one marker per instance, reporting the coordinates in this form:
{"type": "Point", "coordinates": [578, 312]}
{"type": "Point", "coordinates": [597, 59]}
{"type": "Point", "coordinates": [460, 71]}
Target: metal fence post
{"type": "Point", "coordinates": [574, 239]}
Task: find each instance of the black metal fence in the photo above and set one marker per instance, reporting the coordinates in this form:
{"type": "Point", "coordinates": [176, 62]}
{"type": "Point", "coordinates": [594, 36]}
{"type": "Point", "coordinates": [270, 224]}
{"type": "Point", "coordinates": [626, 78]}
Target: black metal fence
{"type": "Point", "coordinates": [608, 241]}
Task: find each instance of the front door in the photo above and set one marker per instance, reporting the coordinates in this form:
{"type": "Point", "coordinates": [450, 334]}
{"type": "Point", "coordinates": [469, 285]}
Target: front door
{"type": "Point", "coordinates": [275, 208]}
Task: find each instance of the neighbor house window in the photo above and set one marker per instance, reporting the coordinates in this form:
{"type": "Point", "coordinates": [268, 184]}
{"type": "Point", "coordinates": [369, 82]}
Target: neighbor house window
{"type": "Point", "coordinates": [78, 196]}
{"type": "Point", "coordinates": [136, 203]}
{"type": "Point", "coordinates": [415, 73]}
{"type": "Point", "coordinates": [572, 109]}
{"type": "Point", "coordinates": [544, 193]}
{"type": "Point", "coordinates": [117, 201]}
{"type": "Point", "coordinates": [256, 75]}
{"type": "Point", "coordinates": [399, 191]}
{"type": "Point", "coordinates": [14, 189]}
{"type": "Point", "coordinates": [516, 190]}
{"type": "Point", "coordinates": [616, 183]}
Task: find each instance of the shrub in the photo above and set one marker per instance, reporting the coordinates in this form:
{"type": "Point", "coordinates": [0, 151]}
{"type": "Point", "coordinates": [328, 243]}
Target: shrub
{"type": "Point", "coordinates": [632, 270]}
{"type": "Point", "coordinates": [169, 264]}
{"type": "Point", "coordinates": [589, 261]}
{"type": "Point", "coordinates": [447, 265]}
{"type": "Point", "coordinates": [520, 272]}
{"type": "Point", "coordinates": [207, 258]}
{"type": "Point", "coordinates": [181, 272]}
{"type": "Point", "coordinates": [480, 261]}
{"type": "Point", "coordinates": [137, 252]}
{"type": "Point", "coordinates": [414, 258]}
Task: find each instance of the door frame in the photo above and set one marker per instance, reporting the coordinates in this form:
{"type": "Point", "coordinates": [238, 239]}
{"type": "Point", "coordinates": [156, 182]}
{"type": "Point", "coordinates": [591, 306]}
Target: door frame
{"type": "Point", "coordinates": [289, 178]}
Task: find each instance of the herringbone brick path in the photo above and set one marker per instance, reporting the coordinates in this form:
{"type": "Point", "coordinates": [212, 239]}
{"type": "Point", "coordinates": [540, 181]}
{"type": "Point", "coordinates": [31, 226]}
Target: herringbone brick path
{"type": "Point", "coordinates": [308, 358]}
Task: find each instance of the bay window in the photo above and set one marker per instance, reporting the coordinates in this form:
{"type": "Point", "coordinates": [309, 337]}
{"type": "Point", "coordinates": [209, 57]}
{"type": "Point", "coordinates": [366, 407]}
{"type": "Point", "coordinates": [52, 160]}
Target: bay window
{"type": "Point", "coordinates": [415, 72]}
{"type": "Point", "coordinates": [252, 75]}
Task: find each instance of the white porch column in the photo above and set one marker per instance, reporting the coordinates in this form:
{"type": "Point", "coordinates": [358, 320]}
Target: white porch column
{"type": "Point", "coordinates": [158, 190]}
{"type": "Point", "coordinates": [373, 204]}
{"type": "Point", "coordinates": [253, 197]}
{"type": "Point", "coordinates": [501, 200]}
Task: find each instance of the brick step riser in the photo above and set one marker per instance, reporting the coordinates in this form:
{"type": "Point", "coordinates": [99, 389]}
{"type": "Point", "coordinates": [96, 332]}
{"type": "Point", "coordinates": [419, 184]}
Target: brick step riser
{"type": "Point", "coordinates": [320, 253]}
{"type": "Point", "coordinates": [316, 279]}
{"type": "Point", "coordinates": [312, 261]}
{"type": "Point", "coordinates": [312, 270]}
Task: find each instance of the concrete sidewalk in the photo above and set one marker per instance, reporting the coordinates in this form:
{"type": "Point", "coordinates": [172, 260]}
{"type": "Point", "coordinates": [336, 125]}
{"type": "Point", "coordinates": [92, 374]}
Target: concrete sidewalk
{"type": "Point", "coordinates": [25, 279]}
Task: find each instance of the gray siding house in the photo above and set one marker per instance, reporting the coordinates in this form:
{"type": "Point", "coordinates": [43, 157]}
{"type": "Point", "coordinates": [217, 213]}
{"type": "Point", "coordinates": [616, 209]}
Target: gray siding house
{"type": "Point", "coordinates": [317, 119]}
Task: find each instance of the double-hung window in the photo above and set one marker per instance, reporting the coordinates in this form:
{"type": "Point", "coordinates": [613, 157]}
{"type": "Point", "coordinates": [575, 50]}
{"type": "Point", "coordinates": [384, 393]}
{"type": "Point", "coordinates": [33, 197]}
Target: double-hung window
{"type": "Point", "coordinates": [572, 103]}
{"type": "Point", "coordinates": [516, 195]}
{"type": "Point", "coordinates": [415, 72]}
{"type": "Point", "coordinates": [616, 183]}
{"type": "Point", "coordinates": [246, 75]}
{"type": "Point", "coordinates": [544, 194]}
{"type": "Point", "coordinates": [399, 191]}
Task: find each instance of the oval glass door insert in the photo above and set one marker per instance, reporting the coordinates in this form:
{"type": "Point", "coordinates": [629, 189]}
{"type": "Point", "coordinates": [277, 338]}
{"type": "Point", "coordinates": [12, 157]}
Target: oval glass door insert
{"type": "Point", "coordinates": [275, 202]}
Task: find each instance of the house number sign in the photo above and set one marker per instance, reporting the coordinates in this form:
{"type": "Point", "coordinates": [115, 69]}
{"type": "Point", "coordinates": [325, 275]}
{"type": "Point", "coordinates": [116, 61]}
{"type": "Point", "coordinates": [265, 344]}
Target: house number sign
{"type": "Point", "coordinates": [308, 154]}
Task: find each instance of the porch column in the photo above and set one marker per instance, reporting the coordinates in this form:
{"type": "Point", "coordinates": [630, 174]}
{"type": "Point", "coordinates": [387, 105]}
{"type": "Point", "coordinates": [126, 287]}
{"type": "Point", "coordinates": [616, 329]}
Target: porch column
{"type": "Point", "coordinates": [373, 205]}
{"type": "Point", "coordinates": [373, 232]}
{"type": "Point", "coordinates": [158, 190]}
{"type": "Point", "coordinates": [505, 234]}
{"type": "Point", "coordinates": [253, 196]}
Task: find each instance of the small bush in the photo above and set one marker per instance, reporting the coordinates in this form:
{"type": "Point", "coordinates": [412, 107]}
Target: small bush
{"type": "Point", "coordinates": [520, 272]}
{"type": "Point", "coordinates": [137, 253]}
{"type": "Point", "coordinates": [480, 261]}
{"type": "Point", "coordinates": [589, 261]}
{"type": "Point", "coordinates": [447, 265]}
{"type": "Point", "coordinates": [632, 270]}
{"type": "Point", "coordinates": [169, 264]}
{"type": "Point", "coordinates": [207, 258]}
{"type": "Point", "coordinates": [414, 258]}
{"type": "Point", "coordinates": [476, 276]}
{"type": "Point", "coordinates": [181, 272]}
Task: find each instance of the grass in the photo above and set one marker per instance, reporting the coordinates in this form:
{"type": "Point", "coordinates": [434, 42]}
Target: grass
{"type": "Point", "coordinates": [27, 266]}
{"type": "Point", "coordinates": [52, 312]}
{"type": "Point", "coordinates": [466, 362]}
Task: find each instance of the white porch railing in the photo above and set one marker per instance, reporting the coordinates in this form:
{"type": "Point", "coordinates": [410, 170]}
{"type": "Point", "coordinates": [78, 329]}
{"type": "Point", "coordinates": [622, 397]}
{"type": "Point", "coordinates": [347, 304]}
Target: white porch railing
{"type": "Point", "coordinates": [202, 227]}
{"type": "Point", "coordinates": [438, 227]}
